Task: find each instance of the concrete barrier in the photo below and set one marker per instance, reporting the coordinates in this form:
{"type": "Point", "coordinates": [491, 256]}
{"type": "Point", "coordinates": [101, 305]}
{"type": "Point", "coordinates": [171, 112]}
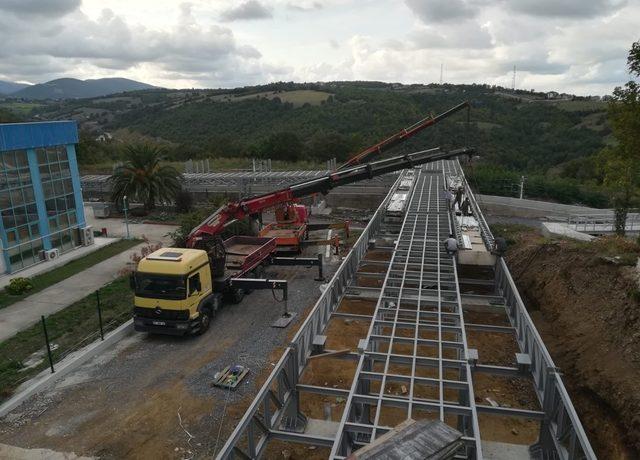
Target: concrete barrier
{"type": "Point", "coordinates": [560, 230]}
{"type": "Point", "coordinates": [45, 379]}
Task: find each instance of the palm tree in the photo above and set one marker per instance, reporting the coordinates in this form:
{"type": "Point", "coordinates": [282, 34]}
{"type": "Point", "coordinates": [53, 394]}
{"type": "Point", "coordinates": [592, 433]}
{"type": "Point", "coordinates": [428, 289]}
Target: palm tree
{"type": "Point", "coordinates": [143, 178]}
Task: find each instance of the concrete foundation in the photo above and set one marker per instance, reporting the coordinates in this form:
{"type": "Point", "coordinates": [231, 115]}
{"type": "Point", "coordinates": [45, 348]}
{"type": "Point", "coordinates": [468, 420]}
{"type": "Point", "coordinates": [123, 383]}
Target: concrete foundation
{"type": "Point", "coordinates": [560, 230]}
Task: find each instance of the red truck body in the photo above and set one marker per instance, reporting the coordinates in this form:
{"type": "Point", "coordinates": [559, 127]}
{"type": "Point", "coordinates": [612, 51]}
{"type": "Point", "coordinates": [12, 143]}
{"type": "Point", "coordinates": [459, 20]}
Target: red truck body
{"type": "Point", "coordinates": [244, 253]}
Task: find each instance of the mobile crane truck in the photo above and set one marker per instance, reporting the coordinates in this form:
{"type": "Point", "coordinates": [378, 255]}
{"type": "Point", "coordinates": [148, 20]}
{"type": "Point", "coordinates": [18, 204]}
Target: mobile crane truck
{"type": "Point", "coordinates": [179, 290]}
{"type": "Point", "coordinates": [291, 227]}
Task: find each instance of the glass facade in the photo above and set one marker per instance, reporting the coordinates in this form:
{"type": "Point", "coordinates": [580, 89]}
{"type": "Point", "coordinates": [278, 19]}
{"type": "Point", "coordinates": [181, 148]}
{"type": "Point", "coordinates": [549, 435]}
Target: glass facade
{"type": "Point", "coordinates": [19, 210]}
{"type": "Point", "coordinates": [40, 197]}
{"type": "Point", "coordinates": [59, 199]}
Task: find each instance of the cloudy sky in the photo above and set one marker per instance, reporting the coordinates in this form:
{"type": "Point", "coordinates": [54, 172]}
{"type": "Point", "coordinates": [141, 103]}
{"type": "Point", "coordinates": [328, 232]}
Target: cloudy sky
{"type": "Point", "coordinates": [578, 46]}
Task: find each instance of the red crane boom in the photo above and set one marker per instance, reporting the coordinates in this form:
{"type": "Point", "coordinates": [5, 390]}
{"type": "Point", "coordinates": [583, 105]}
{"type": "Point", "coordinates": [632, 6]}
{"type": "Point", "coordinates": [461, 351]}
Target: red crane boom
{"type": "Point", "coordinates": [402, 136]}
{"type": "Point", "coordinates": [216, 222]}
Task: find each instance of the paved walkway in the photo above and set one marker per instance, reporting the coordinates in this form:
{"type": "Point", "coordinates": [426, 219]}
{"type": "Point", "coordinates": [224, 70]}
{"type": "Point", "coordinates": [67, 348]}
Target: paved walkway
{"type": "Point", "coordinates": [27, 312]}
{"type": "Point", "coordinates": [64, 259]}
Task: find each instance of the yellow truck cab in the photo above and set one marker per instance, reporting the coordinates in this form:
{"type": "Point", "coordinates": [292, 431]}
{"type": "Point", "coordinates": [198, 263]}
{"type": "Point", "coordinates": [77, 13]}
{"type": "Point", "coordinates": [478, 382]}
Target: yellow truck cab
{"type": "Point", "coordinates": [173, 292]}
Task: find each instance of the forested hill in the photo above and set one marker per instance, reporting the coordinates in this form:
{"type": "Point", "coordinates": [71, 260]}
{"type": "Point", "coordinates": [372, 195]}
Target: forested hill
{"type": "Point", "coordinates": [520, 132]}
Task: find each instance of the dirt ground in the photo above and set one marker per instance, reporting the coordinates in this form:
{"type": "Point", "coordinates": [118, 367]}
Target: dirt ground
{"type": "Point", "coordinates": [151, 396]}
{"type": "Point", "coordinates": [585, 305]}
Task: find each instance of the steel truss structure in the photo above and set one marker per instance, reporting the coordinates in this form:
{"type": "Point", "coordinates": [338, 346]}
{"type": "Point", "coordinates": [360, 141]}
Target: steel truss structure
{"type": "Point", "coordinates": [417, 339]}
{"type": "Point", "coordinates": [243, 183]}
{"type": "Point", "coordinates": [416, 336]}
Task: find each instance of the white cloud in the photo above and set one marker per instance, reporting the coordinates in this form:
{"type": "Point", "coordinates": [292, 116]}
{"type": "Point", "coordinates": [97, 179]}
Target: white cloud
{"type": "Point", "coordinates": [570, 45]}
{"type": "Point", "coordinates": [251, 9]}
{"type": "Point", "coordinates": [48, 8]}
{"type": "Point", "coordinates": [442, 10]}
{"type": "Point", "coordinates": [566, 8]}
{"type": "Point", "coordinates": [189, 48]}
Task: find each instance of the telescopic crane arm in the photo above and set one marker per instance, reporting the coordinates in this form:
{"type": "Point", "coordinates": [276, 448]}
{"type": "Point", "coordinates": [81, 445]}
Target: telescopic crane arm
{"type": "Point", "coordinates": [402, 136]}
{"type": "Point", "coordinates": [237, 210]}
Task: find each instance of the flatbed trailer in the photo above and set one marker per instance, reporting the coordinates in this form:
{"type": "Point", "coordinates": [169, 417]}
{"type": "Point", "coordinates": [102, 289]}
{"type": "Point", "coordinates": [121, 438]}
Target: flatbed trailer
{"type": "Point", "coordinates": [244, 253]}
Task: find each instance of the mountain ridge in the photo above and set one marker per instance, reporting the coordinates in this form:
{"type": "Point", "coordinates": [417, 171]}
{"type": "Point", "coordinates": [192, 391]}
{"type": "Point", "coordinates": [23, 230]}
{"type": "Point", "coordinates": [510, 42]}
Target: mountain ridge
{"type": "Point", "coordinates": [73, 88]}
{"type": "Point", "coordinates": [9, 87]}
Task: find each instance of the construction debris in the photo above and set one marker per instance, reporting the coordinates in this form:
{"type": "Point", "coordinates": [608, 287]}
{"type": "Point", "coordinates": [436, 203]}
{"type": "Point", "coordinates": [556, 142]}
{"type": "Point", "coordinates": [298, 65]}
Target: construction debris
{"type": "Point", "coordinates": [411, 440]}
{"type": "Point", "coordinates": [230, 377]}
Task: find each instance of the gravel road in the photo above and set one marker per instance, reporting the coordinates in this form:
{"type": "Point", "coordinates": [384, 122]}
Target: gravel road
{"type": "Point", "coordinates": [151, 396]}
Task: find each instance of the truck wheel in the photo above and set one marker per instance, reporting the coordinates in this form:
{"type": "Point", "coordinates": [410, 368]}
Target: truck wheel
{"type": "Point", "coordinates": [237, 296]}
{"type": "Point", "coordinates": [205, 320]}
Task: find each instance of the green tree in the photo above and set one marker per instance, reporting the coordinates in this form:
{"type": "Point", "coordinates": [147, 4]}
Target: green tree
{"type": "Point", "coordinates": [622, 167]}
{"type": "Point", "coordinates": [324, 146]}
{"type": "Point", "coordinates": [6, 116]}
{"type": "Point", "coordinates": [144, 178]}
{"type": "Point", "coordinates": [282, 146]}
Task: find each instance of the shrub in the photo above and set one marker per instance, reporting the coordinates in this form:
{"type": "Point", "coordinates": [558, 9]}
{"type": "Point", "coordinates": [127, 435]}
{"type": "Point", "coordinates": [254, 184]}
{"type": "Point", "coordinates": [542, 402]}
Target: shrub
{"type": "Point", "coordinates": [18, 286]}
{"type": "Point", "coordinates": [184, 202]}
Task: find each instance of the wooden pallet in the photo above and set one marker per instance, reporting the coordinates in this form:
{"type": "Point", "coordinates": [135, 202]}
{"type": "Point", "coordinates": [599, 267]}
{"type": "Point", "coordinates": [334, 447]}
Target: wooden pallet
{"type": "Point", "coordinates": [230, 377]}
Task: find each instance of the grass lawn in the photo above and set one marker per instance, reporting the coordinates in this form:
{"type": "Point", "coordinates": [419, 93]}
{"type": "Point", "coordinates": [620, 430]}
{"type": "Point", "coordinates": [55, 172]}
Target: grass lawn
{"type": "Point", "coordinates": [21, 108]}
{"type": "Point", "coordinates": [56, 275]}
{"type": "Point", "coordinates": [297, 97]}
{"type": "Point", "coordinates": [581, 106]}
{"type": "Point", "coordinates": [70, 329]}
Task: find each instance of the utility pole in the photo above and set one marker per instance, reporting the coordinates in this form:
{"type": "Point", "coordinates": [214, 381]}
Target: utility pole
{"type": "Point", "coordinates": [522, 179]}
{"type": "Point", "coordinates": [513, 81]}
{"type": "Point", "coordinates": [441, 69]}
{"type": "Point", "coordinates": [126, 216]}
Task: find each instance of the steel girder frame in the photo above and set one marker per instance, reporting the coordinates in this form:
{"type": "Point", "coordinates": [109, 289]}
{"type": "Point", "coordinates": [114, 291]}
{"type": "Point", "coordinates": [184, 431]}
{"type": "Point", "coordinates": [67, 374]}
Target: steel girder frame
{"type": "Point", "coordinates": [561, 431]}
{"type": "Point", "coordinates": [425, 223]}
{"type": "Point", "coordinates": [277, 401]}
{"type": "Point", "coordinates": [561, 434]}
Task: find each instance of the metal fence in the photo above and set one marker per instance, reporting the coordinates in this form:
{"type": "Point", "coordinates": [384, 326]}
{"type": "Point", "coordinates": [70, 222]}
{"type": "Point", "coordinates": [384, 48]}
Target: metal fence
{"type": "Point", "coordinates": [562, 435]}
{"type": "Point", "coordinates": [602, 223]}
{"type": "Point", "coordinates": [485, 231]}
{"type": "Point", "coordinates": [277, 401]}
{"type": "Point", "coordinates": [57, 343]}
{"type": "Point", "coordinates": [243, 183]}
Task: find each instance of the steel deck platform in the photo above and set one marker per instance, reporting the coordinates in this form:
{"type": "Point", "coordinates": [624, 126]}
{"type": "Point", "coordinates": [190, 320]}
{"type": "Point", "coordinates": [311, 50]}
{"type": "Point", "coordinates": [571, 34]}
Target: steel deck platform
{"type": "Point", "coordinates": [415, 360]}
{"type": "Point", "coordinates": [418, 341]}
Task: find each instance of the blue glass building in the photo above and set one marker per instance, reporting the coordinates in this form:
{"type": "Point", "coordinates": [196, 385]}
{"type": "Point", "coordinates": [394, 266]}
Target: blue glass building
{"type": "Point", "coordinates": [40, 195]}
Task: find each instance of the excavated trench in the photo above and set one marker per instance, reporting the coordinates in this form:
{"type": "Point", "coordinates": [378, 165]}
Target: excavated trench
{"type": "Point", "coordinates": [584, 300]}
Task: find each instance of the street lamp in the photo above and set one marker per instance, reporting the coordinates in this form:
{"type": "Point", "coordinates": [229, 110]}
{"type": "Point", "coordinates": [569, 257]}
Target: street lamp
{"type": "Point", "coordinates": [126, 217]}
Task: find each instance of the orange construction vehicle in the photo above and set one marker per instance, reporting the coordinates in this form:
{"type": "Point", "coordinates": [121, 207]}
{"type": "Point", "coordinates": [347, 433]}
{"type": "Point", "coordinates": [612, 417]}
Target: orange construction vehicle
{"type": "Point", "coordinates": [291, 227]}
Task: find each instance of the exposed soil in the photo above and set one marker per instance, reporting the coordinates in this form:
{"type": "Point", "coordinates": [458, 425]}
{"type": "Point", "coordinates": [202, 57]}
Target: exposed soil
{"type": "Point", "coordinates": [125, 404]}
{"type": "Point", "coordinates": [584, 303]}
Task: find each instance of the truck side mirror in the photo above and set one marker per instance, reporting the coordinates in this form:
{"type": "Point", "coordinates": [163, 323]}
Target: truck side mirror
{"type": "Point", "coordinates": [132, 281]}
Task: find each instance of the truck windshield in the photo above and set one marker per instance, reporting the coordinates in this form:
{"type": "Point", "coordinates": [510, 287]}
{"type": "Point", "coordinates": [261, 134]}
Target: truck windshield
{"type": "Point", "coordinates": [160, 286]}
